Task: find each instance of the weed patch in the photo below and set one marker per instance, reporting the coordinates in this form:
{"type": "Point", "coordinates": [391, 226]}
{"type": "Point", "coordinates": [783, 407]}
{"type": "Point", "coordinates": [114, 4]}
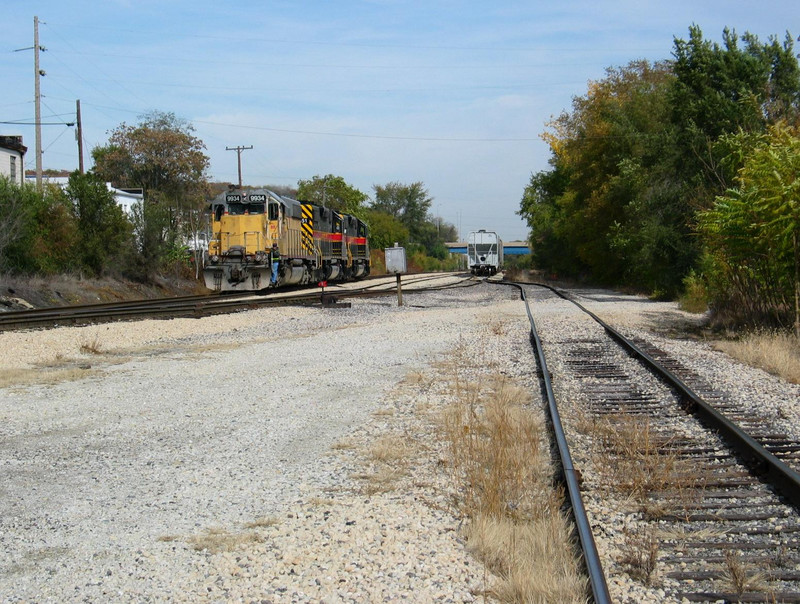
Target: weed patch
{"type": "Point", "coordinates": [499, 463]}
{"type": "Point", "coordinates": [739, 576]}
{"type": "Point", "coordinates": [776, 352]}
{"type": "Point", "coordinates": [91, 347]}
{"type": "Point", "coordinates": [640, 554]}
{"type": "Point", "coordinates": [216, 540]}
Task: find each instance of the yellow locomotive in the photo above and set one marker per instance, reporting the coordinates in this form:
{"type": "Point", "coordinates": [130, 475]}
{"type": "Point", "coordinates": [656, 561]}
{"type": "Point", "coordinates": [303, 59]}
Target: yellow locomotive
{"type": "Point", "coordinates": [315, 243]}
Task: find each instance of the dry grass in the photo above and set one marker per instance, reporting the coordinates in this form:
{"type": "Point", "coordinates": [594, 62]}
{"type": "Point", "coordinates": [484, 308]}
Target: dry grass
{"type": "Point", "coordinates": [345, 444]}
{"type": "Point", "coordinates": [265, 522]}
{"type": "Point", "coordinates": [417, 379]}
{"type": "Point", "coordinates": [777, 352]}
{"type": "Point", "coordinates": [532, 559]}
{"type": "Point", "coordinates": [216, 540]}
{"type": "Point", "coordinates": [390, 450]}
{"type": "Point", "coordinates": [502, 471]}
{"type": "Point", "coordinates": [386, 412]}
{"type": "Point", "coordinates": [498, 327]}
{"type": "Point", "coordinates": [782, 558]}
{"type": "Point", "coordinates": [739, 577]}
{"type": "Point", "coordinates": [640, 464]}
{"type": "Point", "coordinates": [640, 554]}
{"type": "Point", "coordinates": [388, 463]}
{"type": "Point", "coordinates": [496, 446]}
{"type": "Point", "coordinates": [382, 480]}
{"type": "Point", "coordinates": [30, 377]}
{"type": "Point", "coordinates": [91, 346]}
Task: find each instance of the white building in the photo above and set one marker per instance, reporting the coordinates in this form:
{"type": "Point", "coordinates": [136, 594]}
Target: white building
{"type": "Point", "coordinates": [12, 152]}
{"type": "Point", "coordinates": [125, 198]}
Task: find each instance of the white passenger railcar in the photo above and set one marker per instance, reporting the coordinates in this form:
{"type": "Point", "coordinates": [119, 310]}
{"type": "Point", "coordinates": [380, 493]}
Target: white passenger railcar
{"type": "Point", "coordinates": [484, 252]}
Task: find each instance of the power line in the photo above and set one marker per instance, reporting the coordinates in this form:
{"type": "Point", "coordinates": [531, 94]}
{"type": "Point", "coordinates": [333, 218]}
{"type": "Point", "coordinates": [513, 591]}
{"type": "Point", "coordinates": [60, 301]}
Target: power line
{"type": "Point", "coordinates": [21, 123]}
{"type": "Point", "coordinates": [373, 136]}
{"type": "Point", "coordinates": [343, 134]}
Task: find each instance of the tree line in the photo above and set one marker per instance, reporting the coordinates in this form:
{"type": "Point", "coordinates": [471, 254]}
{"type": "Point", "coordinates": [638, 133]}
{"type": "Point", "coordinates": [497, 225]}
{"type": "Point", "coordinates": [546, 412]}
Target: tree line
{"type": "Point", "coordinates": [80, 229]}
{"type": "Point", "coordinates": [681, 175]}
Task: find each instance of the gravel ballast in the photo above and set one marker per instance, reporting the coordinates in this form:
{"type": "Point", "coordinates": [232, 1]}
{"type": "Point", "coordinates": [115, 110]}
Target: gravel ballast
{"type": "Point", "coordinates": [192, 461]}
{"type": "Point", "coordinates": [223, 459]}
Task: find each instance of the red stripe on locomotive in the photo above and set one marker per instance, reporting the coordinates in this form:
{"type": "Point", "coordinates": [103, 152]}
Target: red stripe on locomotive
{"type": "Point", "coordinates": [327, 236]}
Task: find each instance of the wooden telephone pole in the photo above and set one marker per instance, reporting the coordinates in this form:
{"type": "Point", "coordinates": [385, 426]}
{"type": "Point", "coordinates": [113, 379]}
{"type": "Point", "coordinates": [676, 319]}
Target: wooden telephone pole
{"type": "Point", "coordinates": [239, 157]}
{"type": "Point", "coordinates": [79, 135]}
{"type": "Point", "coordinates": [37, 102]}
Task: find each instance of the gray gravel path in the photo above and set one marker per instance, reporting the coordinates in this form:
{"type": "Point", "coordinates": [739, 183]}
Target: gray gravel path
{"type": "Point", "coordinates": [219, 434]}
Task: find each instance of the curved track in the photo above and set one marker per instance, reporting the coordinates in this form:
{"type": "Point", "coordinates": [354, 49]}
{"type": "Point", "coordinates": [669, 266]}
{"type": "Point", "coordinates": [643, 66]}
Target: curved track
{"type": "Point", "coordinates": [717, 510]}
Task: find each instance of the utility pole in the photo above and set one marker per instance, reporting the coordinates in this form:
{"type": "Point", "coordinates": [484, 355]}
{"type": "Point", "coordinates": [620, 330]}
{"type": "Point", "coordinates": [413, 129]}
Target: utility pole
{"type": "Point", "coordinates": [79, 135]}
{"type": "Point", "coordinates": [37, 102]}
{"type": "Point", "coordinates": [37, 98]}
{"type": "Point", "coordinates": [239, 157]}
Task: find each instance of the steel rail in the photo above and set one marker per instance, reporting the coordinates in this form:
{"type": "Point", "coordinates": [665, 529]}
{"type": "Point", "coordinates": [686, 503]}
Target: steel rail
{"type": "Point", "coordinates": [591, 557]}
{"type": "Point", "coordinates": [45, 314]}
{"type": "Point", "coordinates": [781, 476]}
{"type": "Point", "coordinates": [14, 316]}
{"type": "Point", "coordinates": [192, 306]}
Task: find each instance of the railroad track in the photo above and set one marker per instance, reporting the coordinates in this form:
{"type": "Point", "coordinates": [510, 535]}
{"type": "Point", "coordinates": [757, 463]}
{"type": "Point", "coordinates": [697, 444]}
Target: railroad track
{"type": "Point", "coordinates": [709, 500]}
{"type": "Point", "coordinates": [702, 522]}
{"type": "Point", "coordinates": [202, 305]}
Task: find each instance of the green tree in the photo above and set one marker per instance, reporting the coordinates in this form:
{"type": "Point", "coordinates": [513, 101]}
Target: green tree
{"type": "Point", "coordinates": [161, 155]}
{"type": "Point", "coordinates": [56, 238]}
{"type": "Point", "coordinates": [38, 232]}
{"type": "Point", "coordinates": [752, 232]}
{"type": "Point", "coordinates": [385, 230]}
{"type": "Point", "coordinates": [333, 192]}
{"type": "Point", "coordinates": [16, 220]}
{"type": "Point", "coordinates": [726, 88]}
{"type": "Point", "coordinates": [545, 216]}
{"type": "Point", "coordinates": [153, 248]}
{"type": "Point", "coordinates": [446, 231]}
{"type": "Point", "coordinates": [587, 212]}
{"type": "Point", "coordinates": [410, 204]}
{"type": "Point", "coordinates": [644, 150]}
{"type": "Point", "coordinates": [103, 229]}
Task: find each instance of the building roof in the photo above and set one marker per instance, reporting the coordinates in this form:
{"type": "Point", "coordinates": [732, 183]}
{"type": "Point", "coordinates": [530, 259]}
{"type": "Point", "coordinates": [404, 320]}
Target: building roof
{"type": "Point", "coordinates": [13, 142]}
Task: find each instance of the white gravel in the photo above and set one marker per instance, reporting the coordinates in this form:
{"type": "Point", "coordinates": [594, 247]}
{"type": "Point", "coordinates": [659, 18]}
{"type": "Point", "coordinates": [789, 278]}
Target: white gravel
{"type": "Point", "coordinates": [223, 459]}
{"type": "Point", "coordinates": [194, 460]}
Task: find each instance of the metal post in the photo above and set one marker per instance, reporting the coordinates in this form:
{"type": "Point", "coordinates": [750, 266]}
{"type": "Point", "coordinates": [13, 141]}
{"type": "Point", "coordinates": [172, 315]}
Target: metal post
{"type": "Point", "coordinates": [399, 291]}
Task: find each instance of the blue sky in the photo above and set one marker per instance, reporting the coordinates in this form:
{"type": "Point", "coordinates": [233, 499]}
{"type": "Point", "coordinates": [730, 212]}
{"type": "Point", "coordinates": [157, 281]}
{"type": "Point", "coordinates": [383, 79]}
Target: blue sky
{"type": "Point", "coordinates": [452, 94]}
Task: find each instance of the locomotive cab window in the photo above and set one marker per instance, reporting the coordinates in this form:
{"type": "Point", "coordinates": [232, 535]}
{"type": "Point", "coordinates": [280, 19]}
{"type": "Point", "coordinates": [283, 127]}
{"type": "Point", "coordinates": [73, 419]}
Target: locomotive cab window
{"type": "Point", "coordinates": [274, 211]}
{"type": "Point", "coordinates": [255, 208]}
{"type": "Point", "coordinates": [218, 211]}
{"type": "Point", "coordinates": [236, 209]}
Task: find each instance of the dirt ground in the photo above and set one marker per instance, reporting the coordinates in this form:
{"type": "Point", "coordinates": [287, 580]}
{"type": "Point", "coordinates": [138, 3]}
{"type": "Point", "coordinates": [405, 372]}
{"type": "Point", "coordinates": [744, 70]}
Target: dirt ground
{"type": "Point", "coordinates": [19, 293]}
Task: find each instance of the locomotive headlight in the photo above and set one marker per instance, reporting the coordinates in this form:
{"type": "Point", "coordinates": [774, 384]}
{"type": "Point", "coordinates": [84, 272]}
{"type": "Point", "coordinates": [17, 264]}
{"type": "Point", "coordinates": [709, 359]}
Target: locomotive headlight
{"type": "Point", "coordinates": [214, 259]}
